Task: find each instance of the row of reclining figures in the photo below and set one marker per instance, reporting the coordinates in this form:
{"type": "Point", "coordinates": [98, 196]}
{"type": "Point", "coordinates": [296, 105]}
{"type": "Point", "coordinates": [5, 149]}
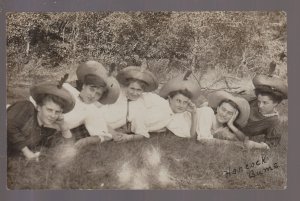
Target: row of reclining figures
{"type": "Point", "coordinates": [125, 107]}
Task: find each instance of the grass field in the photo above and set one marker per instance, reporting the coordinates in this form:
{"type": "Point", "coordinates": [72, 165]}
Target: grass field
{"type": "Point", "coordinates": [164, 161]}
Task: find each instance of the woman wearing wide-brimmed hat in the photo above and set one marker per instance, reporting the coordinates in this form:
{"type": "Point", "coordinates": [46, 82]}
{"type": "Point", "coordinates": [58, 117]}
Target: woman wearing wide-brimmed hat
{"type": "Point", "coordinates": [95, 87]}
{"type": "Point", "coordinates": [230, 115]}
{"type": "Point", "coordinates": [26, 123]}
{"type": "Point", "coordinates": [181, 92]}
{"type": "Point", "coordinates": [263, 120]}
{"type": "Point", "coordinates": [138, 111]}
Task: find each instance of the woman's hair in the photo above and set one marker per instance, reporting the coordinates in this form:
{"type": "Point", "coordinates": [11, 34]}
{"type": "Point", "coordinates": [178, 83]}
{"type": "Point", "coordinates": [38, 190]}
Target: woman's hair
{"type": "Point", "coordinates": [275, 96]}
{"type": "Point", "coordinates": [184, 92]}
{"type": "Point", "coordinates": [234, 105]}
{"type": "Point", "coordinates": [132, 80]}
{"type": "Point", "coordinates": [41, 99]}
{"type": "Point", "coordinates": [90, 79]}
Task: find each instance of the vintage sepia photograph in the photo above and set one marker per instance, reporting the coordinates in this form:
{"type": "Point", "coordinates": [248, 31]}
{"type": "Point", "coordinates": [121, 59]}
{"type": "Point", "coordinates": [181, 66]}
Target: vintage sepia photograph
{"type": "Point", "coordinates": [147, 100]}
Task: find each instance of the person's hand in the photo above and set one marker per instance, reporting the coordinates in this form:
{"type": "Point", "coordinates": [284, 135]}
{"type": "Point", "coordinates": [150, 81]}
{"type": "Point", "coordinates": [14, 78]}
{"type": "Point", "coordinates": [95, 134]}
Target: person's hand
{"type": "Point", "coordinates": [233, 118]}
{"type": "Point", "coordinates": [117, 136]}
{"type": "Point", "coordinates": [256, 145]}
{"type": "Point", "coordinates": [191, 107]}
{"type": "Point", "coordinates": [60, 122]}
{"type": "Point", "coordinates": [106, 138]}
{"type": "Point", "coordinates": [33, 156]}
{"type": "Point", "coordinates": [264, 146]}
{"type": "Point", "coordinates": [123, 138]}
{"type": "Point", "coordinates": [220, 130]}
{"type": "Point", "coordinates": [29, 155]}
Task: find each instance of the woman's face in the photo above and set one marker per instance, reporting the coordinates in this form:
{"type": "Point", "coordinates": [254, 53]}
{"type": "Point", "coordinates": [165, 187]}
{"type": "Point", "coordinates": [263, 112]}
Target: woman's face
{"type": "Point", "coordinates": [49, 112]}
{"type": "Point", "coordinates": [224, 112]}
{"type": "Point", "coordinates": [179, 103]}
{"type": "Point", "coordinates": [90, 94]}
{"type": "Point", "coordinates": [134, 91]}
{"type": "Point", "coordinates": [265, 104]}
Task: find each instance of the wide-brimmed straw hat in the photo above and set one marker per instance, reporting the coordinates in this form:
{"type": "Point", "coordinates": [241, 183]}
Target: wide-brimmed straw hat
{"type": "Point", "coordinates": [214, 100]}
{"type": "Point", "coordinates": [96, 68]}
{"type": "Point", "coordinates": [138, 73]}
{"type": "Point", "coordinates": [181, 82]}
{"type": "Point", "coordinates": [54, 88]}
{"type": "Point", "coordinates": [271, 84]}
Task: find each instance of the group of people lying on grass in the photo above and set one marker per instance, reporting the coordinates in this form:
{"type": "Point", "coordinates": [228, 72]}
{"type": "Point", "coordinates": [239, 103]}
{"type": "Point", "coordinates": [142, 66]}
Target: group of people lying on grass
{"type": "Point", "coordinates": [101, 108]}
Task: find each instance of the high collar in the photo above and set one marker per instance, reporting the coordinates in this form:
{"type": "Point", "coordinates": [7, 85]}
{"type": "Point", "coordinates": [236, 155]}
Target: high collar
{"type": "Point", "coordinates": [275, 113]}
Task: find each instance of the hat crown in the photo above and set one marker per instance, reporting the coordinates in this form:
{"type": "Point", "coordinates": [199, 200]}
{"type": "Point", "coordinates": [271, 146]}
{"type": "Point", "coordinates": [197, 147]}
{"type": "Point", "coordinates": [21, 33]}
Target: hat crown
{"type": "Point", "coordinates": [138, 73]}
{"type": "Point", "coordinates": [181, 82]}
{"type": "Point", "coordinates": [273, 83]}
{"type": "Point", "coordinates": [91, 67]}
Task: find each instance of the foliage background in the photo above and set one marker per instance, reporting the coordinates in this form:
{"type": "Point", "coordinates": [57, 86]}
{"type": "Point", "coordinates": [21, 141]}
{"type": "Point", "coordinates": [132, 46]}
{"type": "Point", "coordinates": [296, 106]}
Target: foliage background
{"type": "Point", "coordinates": [46, 45]}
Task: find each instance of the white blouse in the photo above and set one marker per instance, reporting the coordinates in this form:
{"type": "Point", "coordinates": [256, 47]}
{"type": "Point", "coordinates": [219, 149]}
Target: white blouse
{"type": "Point", "coordinates": [207, 123]}
{"type": "Point", "coordinates": [85, 114]}
{"type": "Point", "coordinates": [147, 114]}
{"type": "Point", "coordinates": [180, 124]}
{"type": "Point", "coordinates": [150, 113]}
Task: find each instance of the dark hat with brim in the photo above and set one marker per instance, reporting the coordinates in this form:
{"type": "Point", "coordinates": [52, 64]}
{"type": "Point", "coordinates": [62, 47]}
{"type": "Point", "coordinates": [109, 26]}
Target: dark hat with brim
{"type": "Point", "coordinates": [96, 68]}
{"type": "Point", "coordinates": [138, 73]}
{"type": "Point", "coordinates": [52, 88]}
{"type": "Point", "coordinates": [215, 98]}
{"type": "Point", "coordinates": [273, 84]}
{"type": "Point", "coordinates": [181, 83]}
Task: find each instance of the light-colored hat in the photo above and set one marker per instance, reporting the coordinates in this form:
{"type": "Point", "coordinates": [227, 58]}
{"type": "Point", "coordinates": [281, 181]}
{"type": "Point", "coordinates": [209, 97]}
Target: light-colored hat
{"type": "Point", "coordinates": [96, 68]}
{"type": "Point", "coordinates": [91, 67]}
{"type": "Point", "coordinates": [54, 88]}
{"type": "Point", "coordinates": [181, 82]}
{"type": "Point", "coordinates": [274, 84]}
{"type": "Point", "coordinates": [214, 100]}
{"type": "Point", "coordinates": [138, 73]}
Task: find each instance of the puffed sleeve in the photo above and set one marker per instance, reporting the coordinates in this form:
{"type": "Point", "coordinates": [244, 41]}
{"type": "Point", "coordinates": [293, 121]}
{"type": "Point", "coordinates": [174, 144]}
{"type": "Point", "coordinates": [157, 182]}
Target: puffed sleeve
{"type": "Point", "coordinates": [96, 125]}
{"type": "Point", "coordinates": [17, 115]}
{"type": "Point", "coordinates": [205, 123]}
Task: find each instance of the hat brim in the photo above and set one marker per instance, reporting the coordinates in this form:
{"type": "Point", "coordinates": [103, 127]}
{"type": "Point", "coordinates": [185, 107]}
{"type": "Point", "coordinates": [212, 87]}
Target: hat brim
{"type": "Point", "coordinates": [51, 88]}
{"type": "Point", "coordinates": [214, 100]}
{"type": "Point", "coordinates": [178, 83]}
{"type": "Point", "coordinates": [112, 93]}
{"type": "Point", "coordinates": [135, 72]}
{"type": "Point", "coordinates": [275, 84]}
{"type": "Point", "coordinates": [96, 68]}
